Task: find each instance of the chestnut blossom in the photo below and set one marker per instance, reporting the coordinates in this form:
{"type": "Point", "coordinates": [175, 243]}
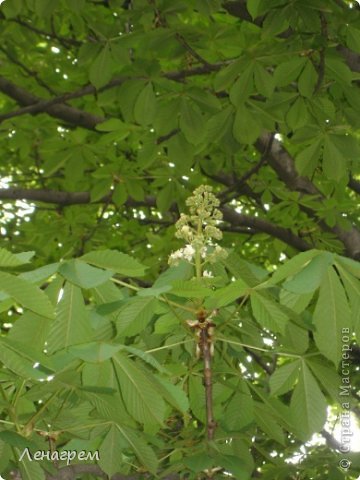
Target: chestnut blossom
{"type": "Point", "coordinates": [199, 229]}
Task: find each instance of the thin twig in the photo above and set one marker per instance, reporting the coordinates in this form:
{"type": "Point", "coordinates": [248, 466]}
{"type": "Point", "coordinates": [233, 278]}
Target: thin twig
{"type": "Point", "coordinates": [205, 347]}
{"type": "Point", "coordinates": [321, 66]}
{"type": "Point", "coordinates": [189, 48]}
{"type": "Point", "coordinates": [27, 70]}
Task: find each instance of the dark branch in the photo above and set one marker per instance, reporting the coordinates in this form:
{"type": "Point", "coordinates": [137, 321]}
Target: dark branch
{"type": "Point", "coordinates": [283, 163]}
{"type": "Point", "coordinates": [62, 40]}
{"type": "Point", "coordinates": [236, 220]}
{"type": "Point", "coordinates": [53, 107]}
{"type": "Point", "coordinates": [71, 472]}
{"type": "Point", "coordinates": [321, 66]}
{"type": "Point", "coordinates": [354, 185]}
{"type": "Point", "coordinates": [189, 48]}
{"type": "Point", "coordinates": [283, 234]}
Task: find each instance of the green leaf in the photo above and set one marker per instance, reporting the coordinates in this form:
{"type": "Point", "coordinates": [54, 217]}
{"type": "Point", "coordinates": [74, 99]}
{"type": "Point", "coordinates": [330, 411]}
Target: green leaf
{"type": "Point", "coordinates": [101, 189]}
{"type": "Point", "coordinates": [115, 261]}
{"type": "Point", "coordinates": [310, 277]}
{"type": "Point", "coordinates": [191, 123]}
{"type": "Point", "coordinates": [189, 289]}
{"type": "Point", "coordinates": [268, 313]}
{"type": "Point", "coordinates": [331, 315]}
{"type": "Point", "coordinates": [297, 115]}
{"type": "Point", "coordinates": [284, 377]}
{"type": "Point", "coordinates": [30, 470]}
{"type": "Point", "coordinates": [352, 287]}
{"type": "Point", "coordinates": [111, 460]}
{"type": "Point", "coordinates": [31, 329]}
{"type": "Point", "coordinates": [40, 274]}
{"type": "Point", "coordinates": [334, 161]}
{"type": "Point", "coordinates": [268, 424]}
{"type": "Point", "coordinates": [8, 259]}
{"type": "Point", "coordinates": [308, 80]}
{"type": "Point", "coordinates": [294, 301]}
{"type": "Point", "coordinates": [243, 87]}
{"type": "Point", "coordinates": [165, 198]}
{"type": "Point", "coordinates": [83, 275]}
{"type": "Point", "coordinates": [153, 291]}
{"type": "Point", "coordinates": [24, 360]}
{"type": "Point", "coordinates": [224, 296]}
{"type": "Point", "coordinates": [225, 77]}
{"type": "Point", "coordinates": [308, 405]}
{"type": "Point", "coordinates": [143, 451]}
{"type": "Point", "coordinates": [173, 394]}
{"type": "Point", "coordinates": [140, 397]}
{"type": "Point", "coordinates": [253, 7]}
{"type": "Point", "coordinates": [264, 82]}
{"type": "Point", "coordinates": [101, 69]}
{"type": "Point", "coordinates": [339, 71]}
{"type": "Point", "coordinates": [289, 71]}
{"type": "Point", "coordinates": [115, 125]}
{"type": "Point", "coordinates": [246, 128]}
{"type": "Point", "coordinates": [239, 412]}
{"type": "Point", "coordinates": [145, 105]}
{"type": "Point", "coordinates": [94, 352]}
{"type": "Point", "coordinates": [326, 376]}
{"type": "Point", "coordinates": [26, 294]}
{"type": "Point", "coordinates": [353, 38]}
{"type": "Point", "coordinates": [292, 266]}
{"type": "Point", "coordinates": [197, 397]}
{"type": "Point", "coordinates": [119, 195]}
{"type": "Point", "coordinates": [182, 271]}
{"type": "Point", "coordinates": [199, 462]}
{"type": "Point", "coordinates": [166, 323]}
{"type": "Point", "coordinates": [71, 325]}
{"type": "Point", "coordinates": [235, 465]}
{"type": "Point", "coordinates": [146, 357]}
{"type": "Point", "coordinates": [135, 315]}
{"type": "Point", "coordinates": [307, 160]}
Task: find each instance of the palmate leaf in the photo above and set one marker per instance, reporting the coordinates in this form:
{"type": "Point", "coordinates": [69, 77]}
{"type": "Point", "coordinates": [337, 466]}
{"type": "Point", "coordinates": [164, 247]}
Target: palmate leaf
{"type": "Point", "coordinates": [239, 412]}
{"type": "Point", "coordinates": [31, 329]}
{"type": "Point", "coordinates": [143, 451]}
{"type": "Point", "coordinates": [135, 315]}
{"type": "Point", "coordinates": [310, 277]}
{"type": "Point", "coordinates": [284, 377]}
{"type": "Point", "coordinates": [352, 287]}
{"type": "Point", "coordinates": [293, 266]}
{"type": "Point", "coordinates": [308, 405]}
{"type": "Point", "coordinates": [267, 423]}
{"type": "Point", "coordinates": [94, 352]}
{"type": "Point", "coordinates": [27, 294]}
{"type": "Point", "coordinates": [71, 325]}
{"type": "Point", "coordinates": [111, 459]}
{"type": "Point", "coordinates": [224, 296]}
{"type": "Point", "coordinates": [29, 469]}
{"type": "Point", "coordinates": [9, 259]}
{"type": "Point", "coordinates": [268, 313]}
{"type": "Point", "coordinates": [116, 261]}
{"type": "Point", "coordinates": [84, 275]}
{"type": "Point", "coordinates": [140, 397]}
{"type": "Point", "coordinates": [22, 361]}
{"type": "Point", "coordinates": [331, 315]}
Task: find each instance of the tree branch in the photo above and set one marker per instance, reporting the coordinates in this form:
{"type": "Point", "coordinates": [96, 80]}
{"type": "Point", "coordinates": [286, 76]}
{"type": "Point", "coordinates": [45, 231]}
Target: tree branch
{"type": "Point", "coordinates": [70, 472]}
{"type": "Point", "coordinates": [354, 185]}
{"type": "Point", "coordinates": [283, 234]}
{"type": "Point", "coordinates": [53, 107]}
{"type": "Point", "coordinates": [282, 162]}
{"type": "Point", "coordinates": [236, 220]}
{"type": "Point", "coordinates": [62, 40]}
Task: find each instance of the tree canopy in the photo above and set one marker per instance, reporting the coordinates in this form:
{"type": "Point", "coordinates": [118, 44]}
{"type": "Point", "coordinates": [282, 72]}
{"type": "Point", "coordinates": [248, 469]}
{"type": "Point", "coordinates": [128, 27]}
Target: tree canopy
{"type": "Point", "coordinates": [120, 120]}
